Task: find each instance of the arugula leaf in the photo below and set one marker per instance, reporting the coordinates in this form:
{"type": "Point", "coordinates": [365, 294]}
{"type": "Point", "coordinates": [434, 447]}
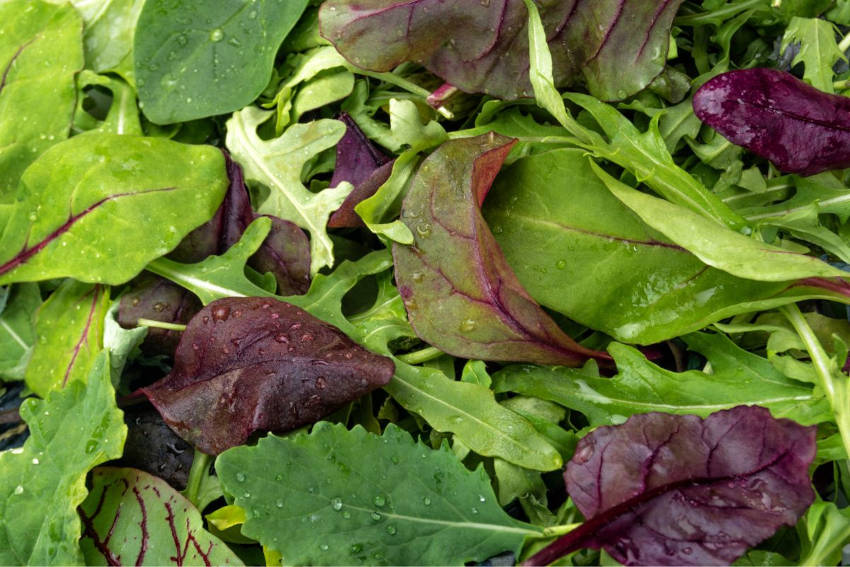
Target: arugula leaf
{"type": "Point", "coordinates": [92, 207]}
{"type": "Point", "coordinates": [825, 530]}
{"type": "Point", "coordinates": [175, 62]}
{"type": "Point", "coordinates": [42, 484]}
{"type": "Point", "coordinates": [404, 501]}
{"type": "Point", "coordinates": [118, 521]}
{"type": "Point", "coordinates": [819, 51]}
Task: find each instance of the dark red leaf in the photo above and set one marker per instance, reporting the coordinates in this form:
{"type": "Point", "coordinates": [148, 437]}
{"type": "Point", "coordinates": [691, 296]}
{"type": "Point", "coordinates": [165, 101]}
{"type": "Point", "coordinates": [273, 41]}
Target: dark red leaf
{"type": "Point", "coordinates": [258, 364]}
{"type": "Point", "coordinates": [779, 117]}
{"type": "Point", "coordinates": [666, 489]}
{"type": "Point", "coordinates": [616, 46]}
{"type": "Point", "coordinates": [461, 296]}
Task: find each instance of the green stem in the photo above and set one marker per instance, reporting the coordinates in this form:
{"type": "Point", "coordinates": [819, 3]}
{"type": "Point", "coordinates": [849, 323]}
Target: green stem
{"type": "Point", "coordinates": [403, 83]}
{"type": "Point", "coordinates": [555, 531]}
{"type": "Point", "coordinates": [844, 44]}
{"type": "Point", "coordinates": [826, 370]}
{"type": "Point", "coordinates": [725, 13]}
{"type": "Point", "coordinates": [420, 356]}
{"type": "Point", "coordinates": [199, 470]}
{"type": "Point", "coordinates": [160, 324]}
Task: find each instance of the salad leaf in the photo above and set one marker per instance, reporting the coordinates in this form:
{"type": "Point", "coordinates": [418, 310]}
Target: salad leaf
{"type": "Point", "coordinates": [277, 164]}
{"type": "Point", "coordinates": [737, 377]}
{"type": "Point", "coordinates": [483, 48]}
{"type": "Point", "coordinates": [175, 62]}
{"type": "Point", "coordinates": [827, 531]}
{"type": "Point", "coordinates": [258, 364]}
{"type": "Point", "coordinates": [819, 51]}
{"type": "Point", "coordinates": [119, 524]}
{"type": "Point", "coordinates": [17, 330]}
{"type": "Point", "coordinates": [481, 312]}
{"type": "Point", "coordinates": [71, 432]}
{"type": "Point", "coordinates": [405, 501]}
{"type": "Point", "coordinates": [69, 327]}
{"type": "Point", "coordinates": [679, 490]}
{"type": "Point", "coordinates": [40, 52]}
{"type": "Point", "coordinates": [779, 117]}
{"type": "Point", "coordinates": [110, 26]}
{"type": "Point", "coordinates": [90, 207]}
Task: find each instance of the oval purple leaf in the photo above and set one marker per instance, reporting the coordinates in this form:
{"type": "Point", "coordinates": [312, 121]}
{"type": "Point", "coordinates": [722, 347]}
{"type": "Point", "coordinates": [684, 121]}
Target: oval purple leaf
{"type": "Point", "coordinates": [779, 117]}
{"type": "Point", "coordinates": [666, 489]}
{"type": "Point", "coordinates": [258, 364]}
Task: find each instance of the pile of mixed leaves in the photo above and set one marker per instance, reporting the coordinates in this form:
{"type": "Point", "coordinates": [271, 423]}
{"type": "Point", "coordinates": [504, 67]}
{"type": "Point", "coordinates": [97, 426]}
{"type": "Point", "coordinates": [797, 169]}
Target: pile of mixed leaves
{"type": "Point", "coordinates": [424, 281]}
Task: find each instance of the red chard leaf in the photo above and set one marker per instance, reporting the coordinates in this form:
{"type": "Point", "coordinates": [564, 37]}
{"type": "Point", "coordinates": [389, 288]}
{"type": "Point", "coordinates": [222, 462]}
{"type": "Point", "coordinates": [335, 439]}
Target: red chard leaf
{"type": "Point", "coordinates": [460, 294]}
{"type": "Point", "coordinates": [617, 46]}
{"type": "Point", "coordinates": [257, 364]}
{"type": "Point", "coordinates": [779, 117]}
{"type": "Point", "coordinates": [666, 489]}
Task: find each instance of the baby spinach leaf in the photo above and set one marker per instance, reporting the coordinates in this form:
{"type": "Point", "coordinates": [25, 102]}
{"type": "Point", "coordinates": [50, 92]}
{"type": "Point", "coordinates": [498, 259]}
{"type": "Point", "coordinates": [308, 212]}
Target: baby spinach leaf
{"type": "Point", "coordinates": [132, 517]}
{"type": "Point", "coordinates": [110, 26]}
{"type": "Point", "coordinates": [679, 490]}
{"type": "Point", "coordinates": [123, 115]}
{"type": "Point", "coordinates": [194, 59]}
{"type": "Point", "coordinates": [460, 294]}
{"type": "Point", "coordinates": [737, 378]}
{"type": "Point", "coordinates": [40, 52]}
{"type": "Point", "coordinates": [98, 207]}
{"type": "Point", "coordinates": [277, 164]}
{"type": "Point", "coordinates": [483, 48]}
{"type": "Point", "coordinates": [17, 330]}
{"type": "Point", "coordinates": [258, 364]}
{"type": "Point", "coordinates": [404, 501]}
{"type": "Point", "coordinates": [71, 432]}
{"type": "Point", "coordinates": [779, 117]}
{"type": "Point", "coordinates": [69, 327]}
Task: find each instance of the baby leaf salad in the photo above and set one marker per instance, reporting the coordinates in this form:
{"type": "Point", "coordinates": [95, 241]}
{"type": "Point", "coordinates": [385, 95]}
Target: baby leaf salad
{"type": "Point", "coordinates": [394, 282]}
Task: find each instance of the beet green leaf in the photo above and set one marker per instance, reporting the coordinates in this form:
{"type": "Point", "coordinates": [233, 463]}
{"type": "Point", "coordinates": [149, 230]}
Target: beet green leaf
{"type": "Point", "coordinates": [123, 524]}
{"type": "Point", "coordinates": [72, 431]}
{"type": "Point", "coordinates": [98, 207]}
{"type": "Point", "coordinates": [183, 48]}
{"type": "Point", "coordinates": [404, 501]}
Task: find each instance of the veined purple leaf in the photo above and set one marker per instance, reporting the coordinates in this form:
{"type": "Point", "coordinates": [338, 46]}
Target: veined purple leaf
{"type": "Point", "coordinates": [258, 364]}
{"type": "Point", "coordinates": [617, 46]}
{"type": "Point", "coordinates": [461, 296]}
{"type": "Point", "coordinates": [666, 489]}
{"type": "Point", "coordinates": [779, 117]}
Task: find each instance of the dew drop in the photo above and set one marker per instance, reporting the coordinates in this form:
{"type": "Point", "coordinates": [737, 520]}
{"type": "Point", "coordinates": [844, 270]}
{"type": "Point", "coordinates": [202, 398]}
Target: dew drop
{"type": "Point", "coordinates": [376, 516]}
{"type": "Point", "coordinates": [468, 325]}
{"type": "Point", "coordinates": [336, 504]}
{"type": "Point", "coordinates": [19, 490]}
{"type": "Point", "coordinates": [474, 510]}
{"type": "Point", "coordinates": [240, 477]}
{"type": "Point", "coordinates": [424, 229]}
{"type": "Point", "coordinates": [216, 35]}
{"type": "Point", "coordinates": [561, 264]}
{"type": "Point", "coordinates": [279, 503]}
{"type": "Point", "coordinates": [182, 39]}
{"type": "Point", "coordinates": [324, 547]}
{"type": "Point", "coordinates": [426, 501]}
{"type": "Point", "coordinates": [356, 548]}
{"type": "Point", "coordinates": [391, 529]}
{"type": "Point", "coordinates": [417, 276]}
{"type": "Point", "coordinates": [380, 501]}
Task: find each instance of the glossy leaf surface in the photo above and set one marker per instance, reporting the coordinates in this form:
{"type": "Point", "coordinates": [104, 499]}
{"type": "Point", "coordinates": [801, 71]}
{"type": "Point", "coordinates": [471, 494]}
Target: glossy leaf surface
{"type": "Point", "coordinates": [258, 364]}
{"type": "Point", "coordinates": [98, 207]}
{"type": "Point", "coordinates": [17, 330]}
{"type": "Point", "coordinates": [678, 490]}
{"type": "Point", "coordinates": [404, 501]}
{"type": "Point", "coordinates": [460, 294]}
{"type": "Point", "coordinates": [190, 56]}
{"type": "Point", "coordinates": [72, 431]}
{"type": "Point", "coordinates": [779, 117]}
{"type": "Point", "coordinates": [132, 517]}
{"type": "Point", "coordinates": [618, 46]}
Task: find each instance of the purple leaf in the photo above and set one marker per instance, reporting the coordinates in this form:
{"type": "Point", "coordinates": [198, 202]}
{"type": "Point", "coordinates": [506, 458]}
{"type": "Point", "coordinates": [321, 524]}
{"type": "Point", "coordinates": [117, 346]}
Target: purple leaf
{"type": "Point", "coordinates": [666, 489]}
{"type": "Point", "coordinates": [779, 117]}
{"type": "Point", "coordinates": [258, 364]}
{"type": "Point", "coordinates": [363, 165]}
{"type": "Point", "coordinates": [617, 46]}
{"type": "Point", "coordinates": [460, 294]}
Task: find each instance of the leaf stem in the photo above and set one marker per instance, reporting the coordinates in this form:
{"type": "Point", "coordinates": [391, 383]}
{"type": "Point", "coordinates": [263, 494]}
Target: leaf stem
{"type": "Point", "coordinates": [555, 531]}
{"type": "Point", "coordinates": [403, 83]}
{"type": "Point", "coordinates": [142, 322]}
{"type": "Point", "coordinates": [200, 468]}
{"type": "Point", "coordinates": [826, 370]}
{"type": "Point", "coordinates": [420, 356]}
{"type": "Point", "coordinates": [844, 44]}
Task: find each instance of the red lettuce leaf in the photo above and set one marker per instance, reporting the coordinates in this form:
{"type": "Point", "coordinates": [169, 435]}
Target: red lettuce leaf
{"type": "Point", "coordinates": [665, 489]}
{"type": "Point", "coordinates": [617, 46]}
{"type": "Point", "coordinates": [460, 294]}
{"type": "Point", "coordinates": [257, 364]}
{"type": "Point", "coordinates": [779, 117]}
{"type": "Point", "coordinates": [363, 165]}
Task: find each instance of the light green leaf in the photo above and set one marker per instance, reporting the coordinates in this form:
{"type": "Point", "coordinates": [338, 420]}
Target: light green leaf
{"type": "Point", "coordinates": [137, 517]}
{"type": "Point", "coordinates": [198, 58]}
{"type": "Point", "coordinates": [42, 484]}
{"type": "Point", "coordinates": [221, 276]}
{"type": "Point", "coordinates": [98, 207]}
{"type": "Point", "coordinates": [475, 372]}
{"type": "Point", "coordinates": [120, 342]}
{"type": "Point", "coordinates": [737, 378]}
{"type": "Point", "coordinates": [17, 330]}
{"type": "Point", "coordinates": [385, 204]}
{"type": "Point", "coordinates": [69, 327]}
{"type": "Point", "coordinates": [715, 244]}
{"type": "Point", "coordinates": [123, 116]}
{"type": "Point", "coordinates": [824, 531]}
{"type": "Point", "coordinates": [41, 50]}
{"type": "Point", "coordinates": [819, 50]}
{"type": "Point", "coordinates": [110, 26]}
{"type": "Point", "coordinates": [277, 164]}
{"type": "Point", "coordinates": [316, 499]}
